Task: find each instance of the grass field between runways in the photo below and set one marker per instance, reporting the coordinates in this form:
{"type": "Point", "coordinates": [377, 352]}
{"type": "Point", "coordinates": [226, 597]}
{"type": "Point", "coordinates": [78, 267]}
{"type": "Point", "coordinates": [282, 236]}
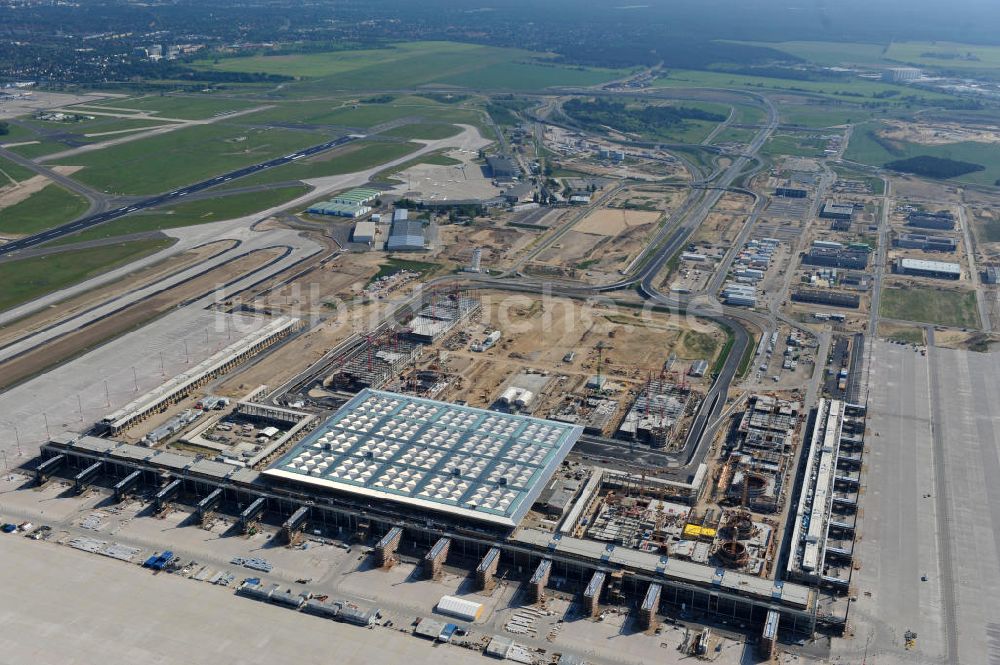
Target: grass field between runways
{"type": "Point", "coordinates": [929, 305]}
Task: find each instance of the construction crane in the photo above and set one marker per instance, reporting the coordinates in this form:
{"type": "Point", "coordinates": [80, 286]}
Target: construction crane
{"type": "Point", "coordinates": [600, 363]}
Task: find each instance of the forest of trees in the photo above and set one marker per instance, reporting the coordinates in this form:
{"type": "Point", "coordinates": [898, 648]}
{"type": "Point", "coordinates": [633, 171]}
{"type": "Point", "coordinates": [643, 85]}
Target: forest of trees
{"type": "Point", "coordinates": [934, 167]}
{"type": "Point", "coordinates": [645, 119]}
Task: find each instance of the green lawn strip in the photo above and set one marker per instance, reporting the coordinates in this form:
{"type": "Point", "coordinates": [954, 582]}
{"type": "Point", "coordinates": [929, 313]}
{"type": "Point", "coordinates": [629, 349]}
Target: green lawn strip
{"type": "Point", "coordinates": [432, 158]}
{"type": "Point", "coordinates": [829, 53]}
{"type": "Point", "coordinates": [930, 305]}
{"type": "Point", "coordinates": [734, 135]}
{"type": "Point", "coordinates": [185, 107]}
{"type": "Point", "coordinates": [50, 206]}
{"type": "Point", "coordinates": [727, 348]}
{"type": "Point", "coordinates": [905, 335]}
{"type": "Point", "coordinates": [159, 163]}
{"type": "Point", "coordinates": [11, 171]}
{"type": "Point", "coordinates": [98, 125]}
{"type": "Point", "coordinates": [39, 148]}
{"type": "Point", "coordinates": [27, 279]}
{"type": "Point", "coordinates": [425, 130]}
{"type": "Point", "coordinates": [699, 343]}
{"type": "Point", "coordinates": [745, 114]}
{"type": "Point", "coordinates": [17, 133]}
{"type": "Point", "coordinates": [356, 157]}
{"type": "Point", "coordinates": [191, 213]}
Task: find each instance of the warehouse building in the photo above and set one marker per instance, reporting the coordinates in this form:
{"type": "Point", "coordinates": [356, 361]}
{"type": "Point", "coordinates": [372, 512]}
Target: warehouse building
{"type": "Point", "coordinates": [740, 295]}
{"type": "Point", "coordinates": [943, 220]}
{"type": "Point", "coordinates": [920, 268]}
{"type": "Point", "coordinates": [992, 275]}
{"type": "Point", "coordinates": [364, 232]}
{"type": "Point", "coordinates": [836, 257]}
{"type": "Point", "coordinates": [827, 297]}
{"type": "Point", "coordinates": [926, 243]}
{"type": "Point", "coordinates": [790, 193]}
{"type": "Point", "coordinates": [834, 210]}
{"type": "Point", "coordinates": [335, 209]}
{"type": "Point", "coordinates": [502, 168]}
{"type": "Point", "coordinates": [406, 235]}
{"type": "Point", "coordinates": [357, 197]}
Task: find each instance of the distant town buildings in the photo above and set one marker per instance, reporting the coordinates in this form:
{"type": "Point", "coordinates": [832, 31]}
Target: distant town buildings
{"type": "Point", "coordinates": [903, 74]}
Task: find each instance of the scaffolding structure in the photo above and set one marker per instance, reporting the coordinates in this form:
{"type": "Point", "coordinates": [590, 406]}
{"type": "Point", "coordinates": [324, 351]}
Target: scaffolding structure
{"type": "Point", "coordinates": [440, 312]}
{"type": "Point", "coordinates": [654, 413]}
{"type": "Point", "coordinates": [378, 359]}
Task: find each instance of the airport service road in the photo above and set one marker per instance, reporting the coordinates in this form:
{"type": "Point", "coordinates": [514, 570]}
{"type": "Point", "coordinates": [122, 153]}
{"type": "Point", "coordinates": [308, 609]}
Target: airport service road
{"type": "Point", "coordinates": [92, 609]}
{"type": "Point", "coordinates": [934, 430]}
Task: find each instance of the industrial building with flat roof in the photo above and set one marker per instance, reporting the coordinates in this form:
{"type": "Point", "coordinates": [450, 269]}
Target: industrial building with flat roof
{"type": "Point", "coordinates": [502, 168]}
{"type": "Point", "coordinates": [834, 210]}
{"type": "Point", "coordinates": [921, 268]}
{"type": "Point", "coordinates": [432, 455]}
{"type": "Point", "coordinates": [182, 384]}
{"type": "Point", "coordinates": [926, 243]}
{"type": "Point", "coordinates": [942, 220]}
{"type": "Point", "coordinates": [335, 209]}
{"type": "Point", "coordinates": [358, 196]}
{"type": "Point", "coordinates": [827, 297]}
{"type": "Point", "coordinates": [364, 232]}
{"type": "Point", "coordinates": [406, 235]}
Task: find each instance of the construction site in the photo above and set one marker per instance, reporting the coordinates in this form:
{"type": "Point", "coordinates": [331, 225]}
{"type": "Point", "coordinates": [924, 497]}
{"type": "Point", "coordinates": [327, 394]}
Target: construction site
{"type": "Point", "coordinates": [489, 433]}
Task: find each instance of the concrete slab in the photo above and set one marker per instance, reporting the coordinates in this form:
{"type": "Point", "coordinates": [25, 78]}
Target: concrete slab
{"type": "Point", "coordinates": [89, 602]}
{"type": "Point", "coordinates": [73, 396]}
{"type": "Point", "coordinates": [931, 508]}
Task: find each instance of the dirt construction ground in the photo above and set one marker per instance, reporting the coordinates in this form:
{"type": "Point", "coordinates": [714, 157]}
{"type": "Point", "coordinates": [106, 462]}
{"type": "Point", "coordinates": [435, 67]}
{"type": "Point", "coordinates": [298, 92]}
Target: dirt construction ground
{"type": "Point", "coordinates": [606, 222]}
{"type": "Point", "coordinates": [537, 335]}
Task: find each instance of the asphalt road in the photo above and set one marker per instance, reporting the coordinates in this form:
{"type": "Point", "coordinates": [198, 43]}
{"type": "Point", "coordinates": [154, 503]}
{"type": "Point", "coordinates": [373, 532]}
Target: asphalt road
{"type": "Point", "coordinates": [108, 215]}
